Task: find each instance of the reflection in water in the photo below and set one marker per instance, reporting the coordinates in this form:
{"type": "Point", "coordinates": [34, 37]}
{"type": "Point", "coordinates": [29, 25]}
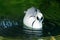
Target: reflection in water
{"type": "Point", "coordinates": [8, 23]}
{"type": "Point", "coordinates": [10, 27]}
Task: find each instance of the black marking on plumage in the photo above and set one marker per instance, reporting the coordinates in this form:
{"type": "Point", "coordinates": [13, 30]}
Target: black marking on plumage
{"type": "Point", "coordinates": [41, 18]}
{"type": "Point", "coordinates": [33, 22]}
{"type": "Point", "coordinates": [37, 18]}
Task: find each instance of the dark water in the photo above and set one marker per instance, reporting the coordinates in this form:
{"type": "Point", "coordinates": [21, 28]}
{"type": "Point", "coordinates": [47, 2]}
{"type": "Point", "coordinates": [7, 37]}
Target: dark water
{"type": "Point", "coordinates": [51, 27]}
{"type": "Point", "coordinates": [9, 27]}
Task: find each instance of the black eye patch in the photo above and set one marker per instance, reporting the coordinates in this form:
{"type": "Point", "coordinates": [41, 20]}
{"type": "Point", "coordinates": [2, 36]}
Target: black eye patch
{"type": "Point", "coordinates": [33, 22]}
{"type": "Point", "coordinates": [37, 18]}
{"type": "Point", "coordinates": [41, 18]}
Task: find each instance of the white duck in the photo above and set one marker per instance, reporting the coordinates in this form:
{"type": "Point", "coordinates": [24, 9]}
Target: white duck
{"type": "Point", "coordinates": [33, 19]}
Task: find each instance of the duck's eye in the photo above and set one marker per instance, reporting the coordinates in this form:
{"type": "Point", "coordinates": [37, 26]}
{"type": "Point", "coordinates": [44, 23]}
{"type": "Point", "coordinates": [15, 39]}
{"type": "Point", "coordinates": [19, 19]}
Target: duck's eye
{"type": "Point", "coordinates": [37, 18]}
{"type": "Point", "coordinates": [41, 18]}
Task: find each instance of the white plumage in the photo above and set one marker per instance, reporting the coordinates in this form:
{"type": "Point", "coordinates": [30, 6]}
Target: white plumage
{"type": "Point", "coordinates": [33, 18]}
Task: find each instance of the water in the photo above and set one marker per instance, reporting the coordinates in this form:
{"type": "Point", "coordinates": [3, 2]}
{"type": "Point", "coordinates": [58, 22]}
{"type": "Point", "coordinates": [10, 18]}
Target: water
{"type": "Point", "coordinates": [8, 23]}
{"type": "Point", "coordinates": [9, 27]}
